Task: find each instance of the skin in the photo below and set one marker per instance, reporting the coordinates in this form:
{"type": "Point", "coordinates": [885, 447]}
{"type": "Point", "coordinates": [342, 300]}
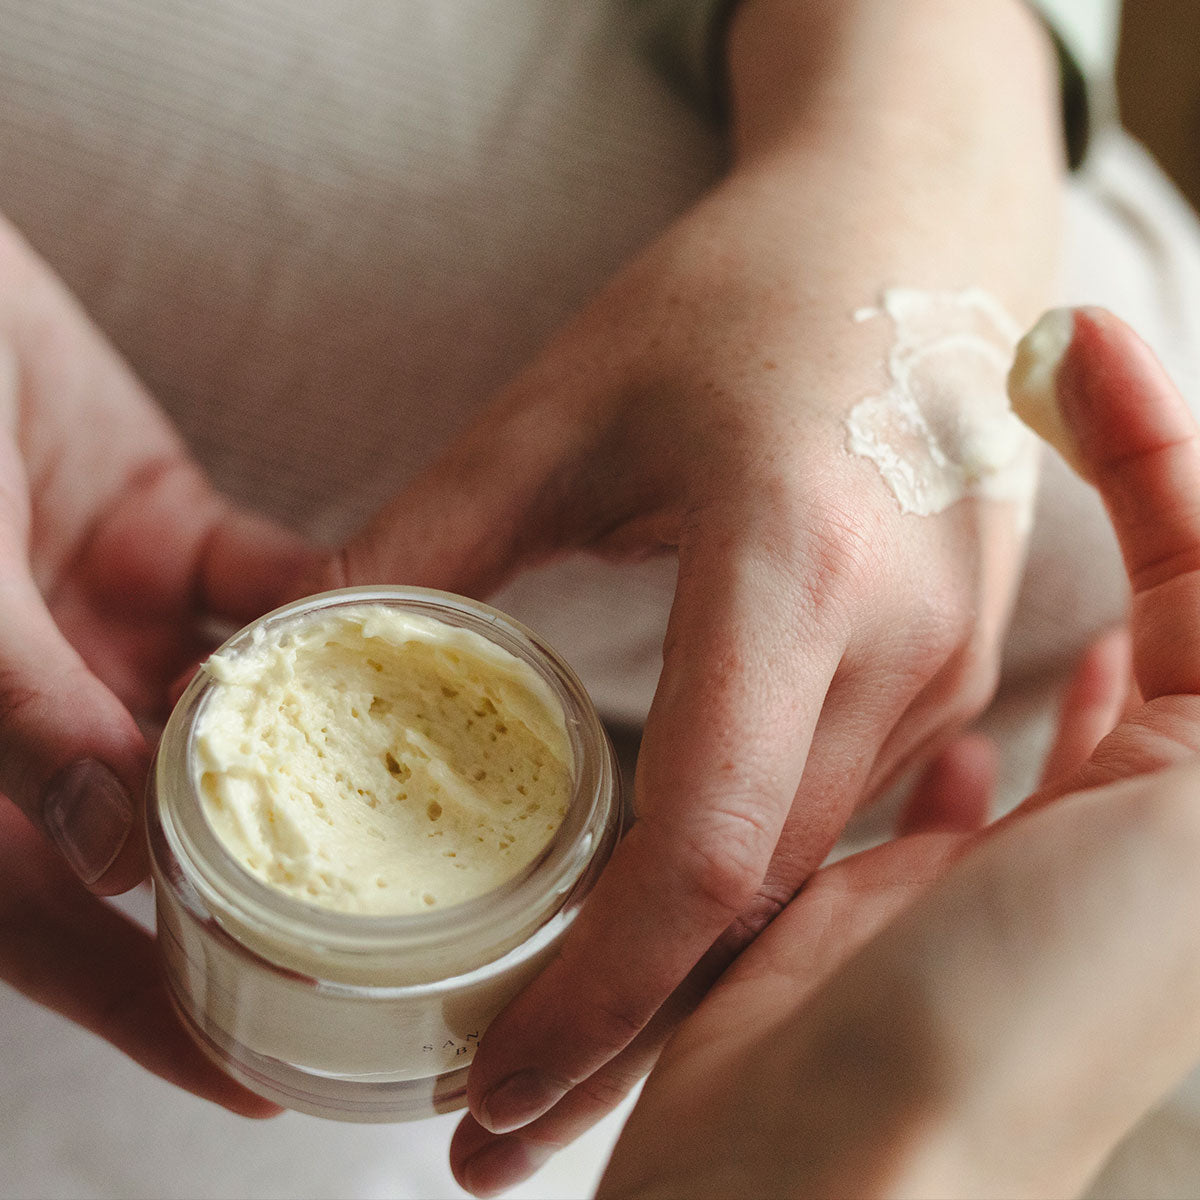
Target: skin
{"type": "Point", "coordinates": [113, 550]}
{"type": "Point", "coordinates": [1023, 993]}
{"type": "Point", "coordinates": [818, 640]}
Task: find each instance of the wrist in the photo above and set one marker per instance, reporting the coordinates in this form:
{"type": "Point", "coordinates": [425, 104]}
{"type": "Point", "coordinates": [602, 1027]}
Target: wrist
{"type": "Point", "coordinates": [805, 69]}
{"type": "Point", "coordinates": [930, 123]}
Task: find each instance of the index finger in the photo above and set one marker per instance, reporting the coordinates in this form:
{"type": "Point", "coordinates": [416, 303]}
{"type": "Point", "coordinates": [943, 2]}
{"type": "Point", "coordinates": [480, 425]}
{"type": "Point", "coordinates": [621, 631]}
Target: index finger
{"type": "Point", "coordinates": [744, 677]}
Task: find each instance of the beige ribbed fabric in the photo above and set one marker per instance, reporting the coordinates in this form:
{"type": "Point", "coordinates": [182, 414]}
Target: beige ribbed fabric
{"type": "Point", "coordinates": [323, 233]}
{"type": "Point", "coordinates": [278, 210]}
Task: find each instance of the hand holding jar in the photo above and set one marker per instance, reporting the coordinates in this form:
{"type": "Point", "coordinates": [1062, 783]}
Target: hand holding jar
{"type": "Point", "coordinates": [114, 552]}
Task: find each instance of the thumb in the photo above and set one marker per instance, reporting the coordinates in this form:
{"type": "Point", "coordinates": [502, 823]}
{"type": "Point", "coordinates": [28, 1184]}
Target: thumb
{"type": "Point", "coordinates": [71, 756]}
{"type": "Point", "coordinates": [1124, 425]}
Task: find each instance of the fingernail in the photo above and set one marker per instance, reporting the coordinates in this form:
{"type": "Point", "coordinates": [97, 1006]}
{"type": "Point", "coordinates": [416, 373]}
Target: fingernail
{"type": "Point", "coordinates": [89, 814]}
{"type": "Point", "coordinates": [1033, 381]}
{"type": "Point", "coordinates": [518, 1100]}
{"type": "Point", "coordinates": [501, 1165]}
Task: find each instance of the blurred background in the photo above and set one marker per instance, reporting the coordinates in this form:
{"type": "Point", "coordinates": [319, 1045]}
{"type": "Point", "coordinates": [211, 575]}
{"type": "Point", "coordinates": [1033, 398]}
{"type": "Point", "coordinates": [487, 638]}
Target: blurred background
{"type": "Point", "coordinates": [1158, 84]}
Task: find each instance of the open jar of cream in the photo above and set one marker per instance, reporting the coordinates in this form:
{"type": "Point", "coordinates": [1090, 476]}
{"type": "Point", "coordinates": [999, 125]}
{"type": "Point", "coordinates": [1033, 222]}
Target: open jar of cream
{"type": "Point", "coordinates": [374, 814]}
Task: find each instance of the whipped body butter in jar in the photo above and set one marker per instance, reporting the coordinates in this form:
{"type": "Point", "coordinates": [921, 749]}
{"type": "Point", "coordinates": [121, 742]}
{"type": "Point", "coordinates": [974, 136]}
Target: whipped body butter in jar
{"type": "Point", "coordinates": [374, 814]}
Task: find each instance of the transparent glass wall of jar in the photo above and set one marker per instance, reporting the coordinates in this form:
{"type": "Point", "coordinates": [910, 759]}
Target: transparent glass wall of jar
{"type": "Point", "coordinates": [363, 1018]}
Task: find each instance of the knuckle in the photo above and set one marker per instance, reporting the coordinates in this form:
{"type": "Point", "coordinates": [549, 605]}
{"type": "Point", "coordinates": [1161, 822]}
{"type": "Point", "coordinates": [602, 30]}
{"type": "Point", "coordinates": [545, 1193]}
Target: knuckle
{"type": "Point", "coordinates": [611, 1022]}
{"type": "Point", "coordinates": [846, 546]}
{"type": "Point", "coordinates": [604, 1090]}
{"type": "Point", "coordinates": [18, 701]}
{"type": "Point", "coordinates": [833, 554]}
{"type": "Point", "coordinates": [724, 864]}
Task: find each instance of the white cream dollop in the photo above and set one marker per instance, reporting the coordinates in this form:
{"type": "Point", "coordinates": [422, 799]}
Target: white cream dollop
{"type": "Point", "coordinates": [371, 760]}
{"type": "Point", "coordinates": [1033, 382]}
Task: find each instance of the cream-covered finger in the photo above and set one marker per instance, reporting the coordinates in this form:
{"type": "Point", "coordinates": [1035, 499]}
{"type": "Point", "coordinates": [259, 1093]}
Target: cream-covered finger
{"type": "Point", "coordinates": [1119, 417]}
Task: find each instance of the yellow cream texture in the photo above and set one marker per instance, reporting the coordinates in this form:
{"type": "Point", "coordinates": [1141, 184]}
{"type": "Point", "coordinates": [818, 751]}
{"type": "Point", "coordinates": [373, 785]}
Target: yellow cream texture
{"type": "Point", "coordinates": [370, 760]}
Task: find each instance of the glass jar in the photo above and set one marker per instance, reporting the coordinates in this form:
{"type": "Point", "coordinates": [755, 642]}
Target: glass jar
{"type": "Point", "coordinates": [350, 1016]}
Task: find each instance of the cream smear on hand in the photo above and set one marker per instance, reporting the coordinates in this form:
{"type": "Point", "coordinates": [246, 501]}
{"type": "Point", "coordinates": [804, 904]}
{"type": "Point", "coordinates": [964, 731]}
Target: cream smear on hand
{"type": "Point", "coordinates": [381, 762]}
{"type": "Point", "coordinates": [943, 430]}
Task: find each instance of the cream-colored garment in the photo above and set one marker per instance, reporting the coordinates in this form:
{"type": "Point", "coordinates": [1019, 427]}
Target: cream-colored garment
{"type": "Point", "coordinates": [324, 233]}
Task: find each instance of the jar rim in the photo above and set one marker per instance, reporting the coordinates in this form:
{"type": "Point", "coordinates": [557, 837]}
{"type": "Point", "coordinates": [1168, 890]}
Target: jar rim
{"type": "Point", "coordinates": [226, 886]}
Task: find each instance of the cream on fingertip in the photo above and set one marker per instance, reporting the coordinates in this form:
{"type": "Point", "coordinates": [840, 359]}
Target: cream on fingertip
{"type": "Point", "coordinates": [1033, 382]}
